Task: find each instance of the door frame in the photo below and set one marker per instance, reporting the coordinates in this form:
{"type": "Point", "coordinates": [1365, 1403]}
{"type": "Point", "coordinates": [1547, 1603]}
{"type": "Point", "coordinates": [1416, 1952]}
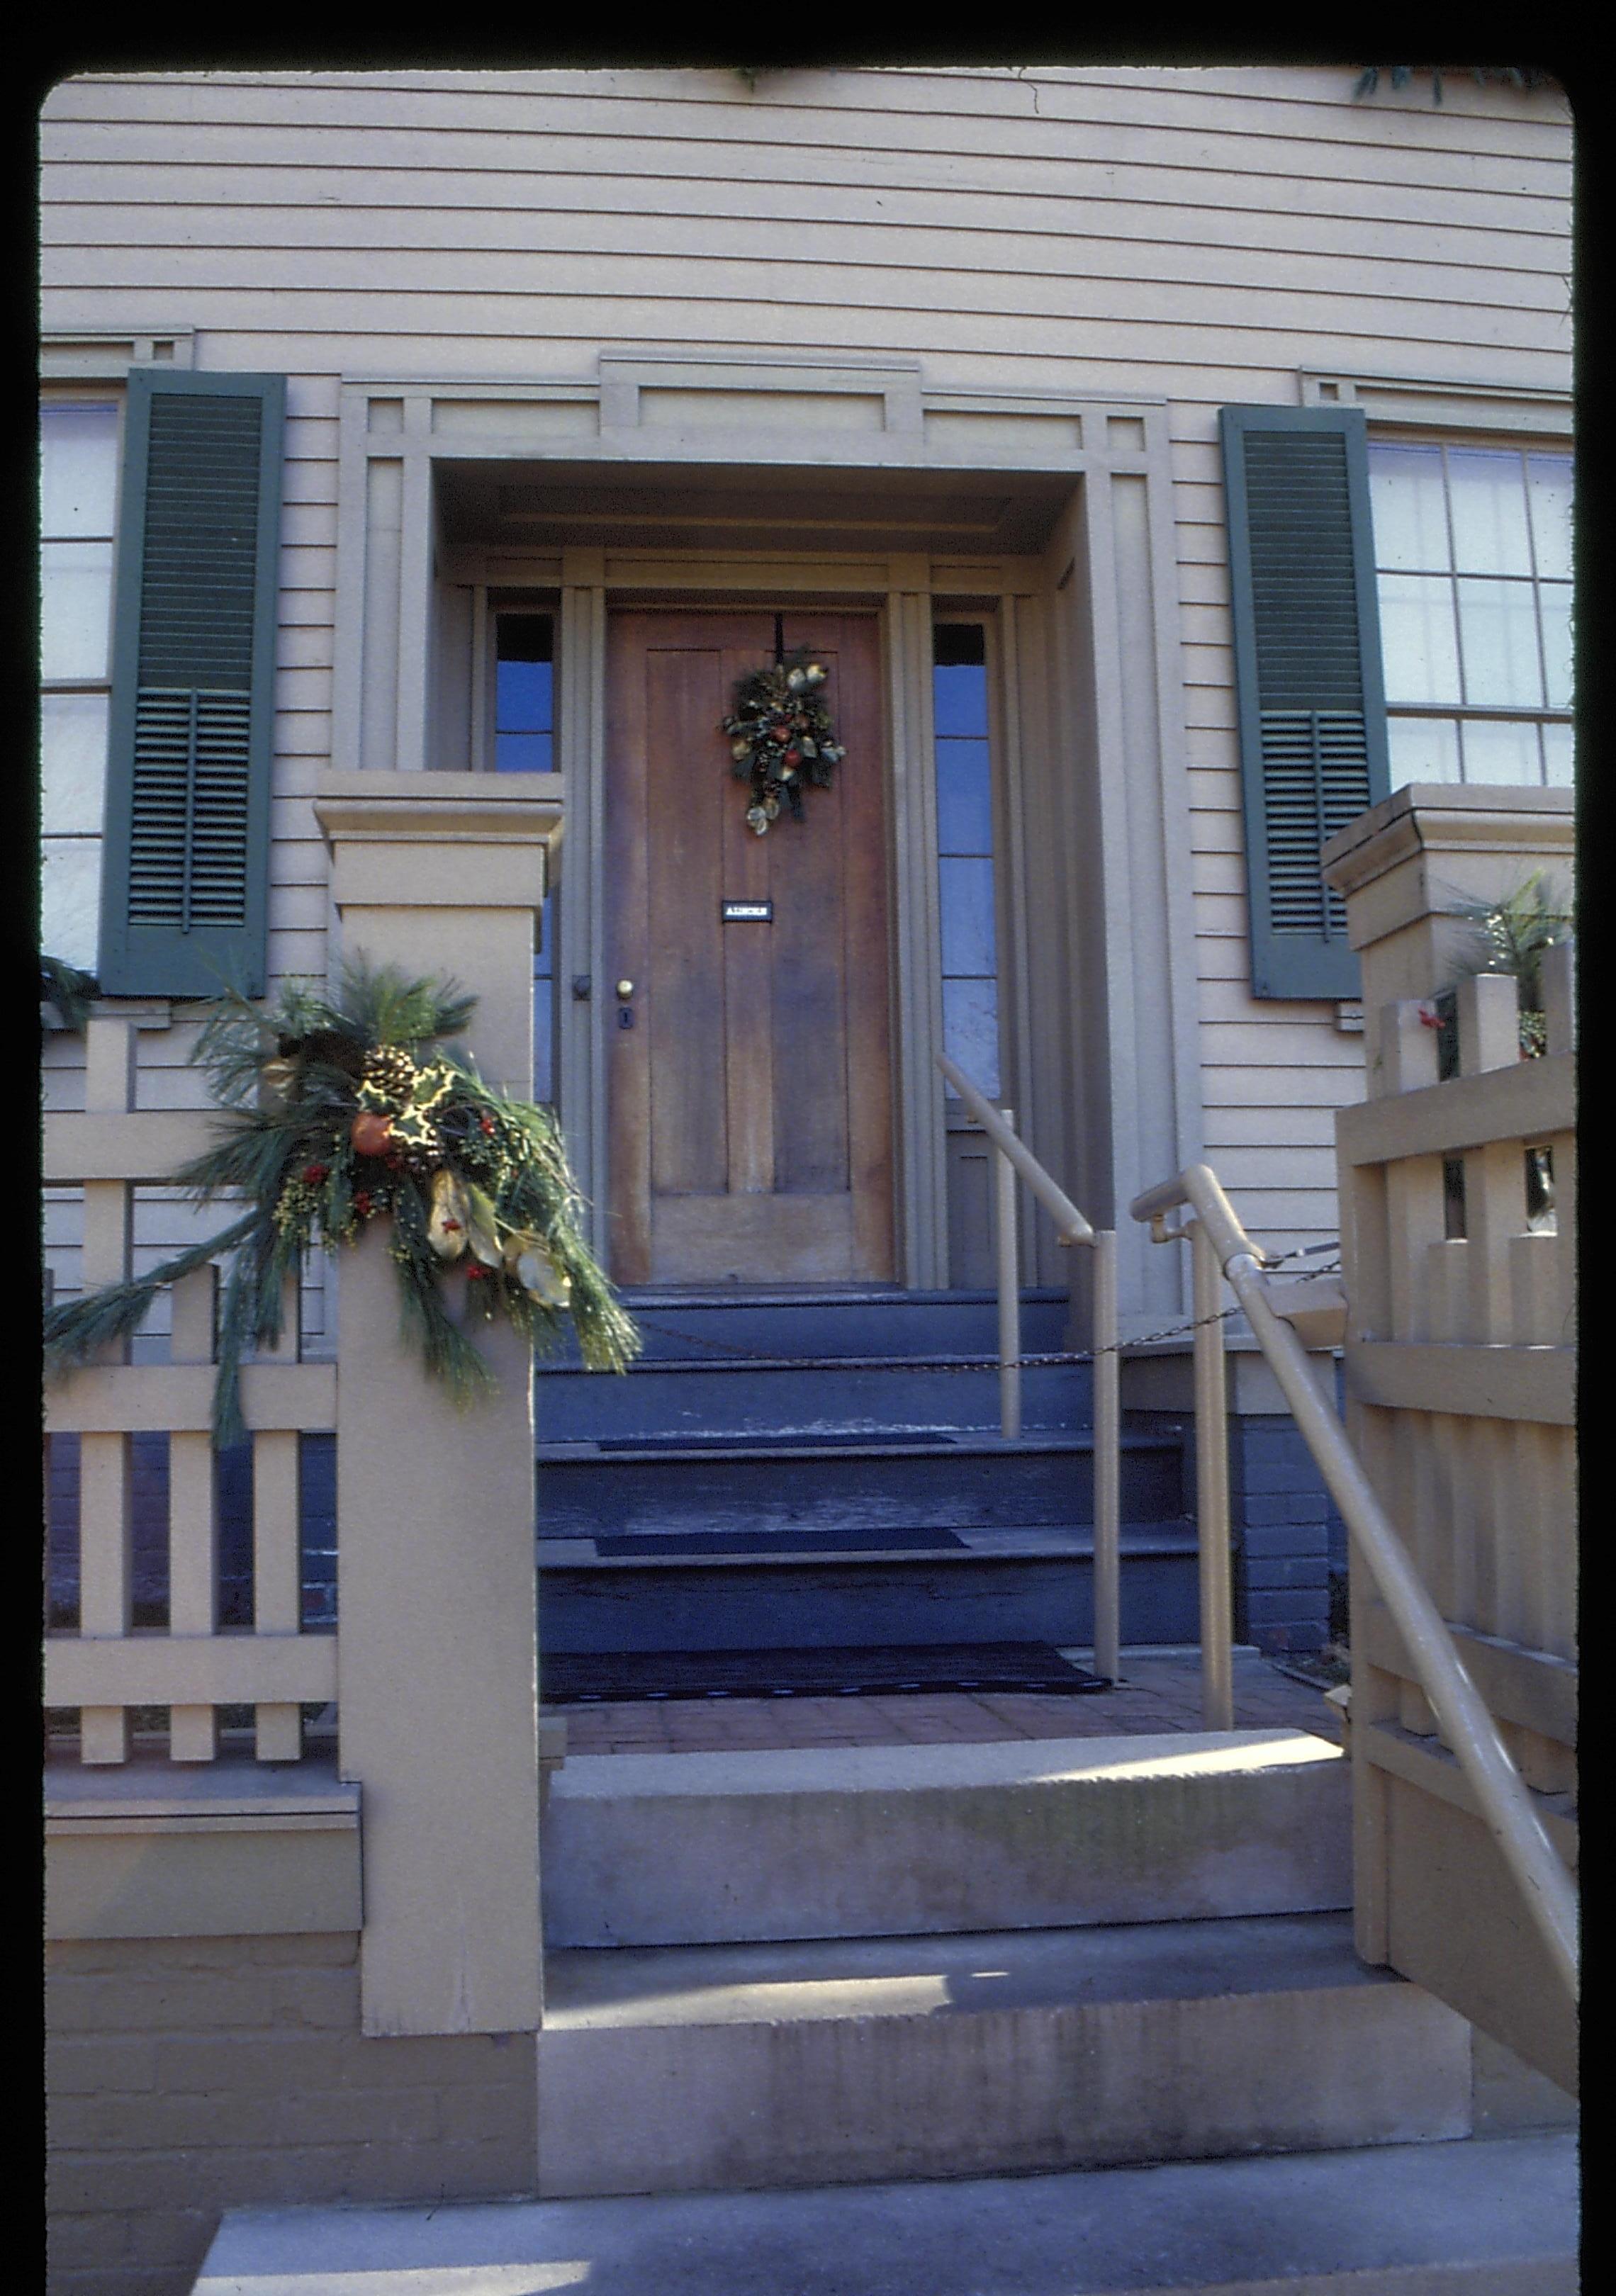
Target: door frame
{"type": "Point", "coordinates": [1108, 1085]}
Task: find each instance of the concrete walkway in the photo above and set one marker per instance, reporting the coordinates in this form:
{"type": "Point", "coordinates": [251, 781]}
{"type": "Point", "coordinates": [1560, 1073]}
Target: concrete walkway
{"type": "Point", "coordinates": [1160, 1692]}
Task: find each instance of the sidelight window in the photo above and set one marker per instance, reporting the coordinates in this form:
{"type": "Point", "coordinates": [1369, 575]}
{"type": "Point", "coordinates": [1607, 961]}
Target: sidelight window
{"type": "Point", "coordinates": [522, 717]}
{"type": "Point", "coordinates": [965, 850]}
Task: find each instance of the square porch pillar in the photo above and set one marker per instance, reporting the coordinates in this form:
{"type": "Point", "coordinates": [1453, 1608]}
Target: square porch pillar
{"type": "Point", "coordinates": [438, 1694]}
{"type": "Point", "coordinates": [1410, 865]}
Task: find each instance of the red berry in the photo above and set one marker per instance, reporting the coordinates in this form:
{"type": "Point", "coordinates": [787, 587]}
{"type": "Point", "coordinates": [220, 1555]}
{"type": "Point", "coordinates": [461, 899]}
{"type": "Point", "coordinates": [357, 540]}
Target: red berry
{"type": "Point", "coordinates": [315, 1174]}
{"type": "Point", "coordinates": [487, 1124]}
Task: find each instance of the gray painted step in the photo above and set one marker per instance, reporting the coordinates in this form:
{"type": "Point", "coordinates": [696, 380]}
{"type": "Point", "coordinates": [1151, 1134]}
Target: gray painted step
{"type": "Point", "coordinates": [863, 2060]}
{"type": "Point", "coordinates": [900, 1840]}
{"type": "Point", "coordinates": [770, 1393]}
{"type": "Point", "coordinates": [976, 1481]}
{"type": "Point", "coordinates": [693, 1325]}
{"type": "Point", "coordinates": [1472, 2220]}
{"type": "Point", "coordinates": [1030, 1589]}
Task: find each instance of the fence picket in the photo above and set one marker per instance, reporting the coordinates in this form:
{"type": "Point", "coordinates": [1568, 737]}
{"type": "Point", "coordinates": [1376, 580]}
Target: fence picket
{"type": "Point", "coordinates": [106, 1404]}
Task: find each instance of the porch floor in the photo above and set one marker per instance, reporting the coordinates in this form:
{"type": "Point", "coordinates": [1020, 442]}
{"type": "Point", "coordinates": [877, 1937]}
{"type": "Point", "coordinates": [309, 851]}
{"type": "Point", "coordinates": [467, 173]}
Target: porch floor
{"type": "Point", "coordinates": [1160, 1692]}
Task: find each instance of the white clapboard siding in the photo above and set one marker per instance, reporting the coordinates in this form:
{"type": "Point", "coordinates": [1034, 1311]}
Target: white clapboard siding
{"type": "Point", "coordinates": [1190, 234]}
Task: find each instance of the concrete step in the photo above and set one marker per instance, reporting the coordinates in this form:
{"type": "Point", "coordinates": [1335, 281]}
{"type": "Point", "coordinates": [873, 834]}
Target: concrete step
{"type": "Point", "coordinates": [1467, 2219]}
{"type": "Point", "coordinates": [643, 1849]}
{"type": "Point", "coordinates": [1026, 1582]}
{"type": "Point", "coordinates": [704, 2068]}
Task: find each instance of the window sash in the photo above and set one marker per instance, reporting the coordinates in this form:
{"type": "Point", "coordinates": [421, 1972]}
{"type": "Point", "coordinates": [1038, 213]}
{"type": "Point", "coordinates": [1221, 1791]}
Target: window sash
{"type": "Point", "coordinates": [80, 470]}
{"type": "Point", "coordinates": [1472, 561]}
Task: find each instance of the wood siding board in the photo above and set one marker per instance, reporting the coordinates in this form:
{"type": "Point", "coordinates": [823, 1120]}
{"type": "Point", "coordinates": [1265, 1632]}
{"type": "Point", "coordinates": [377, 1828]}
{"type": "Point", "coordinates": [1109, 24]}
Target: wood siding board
{"type": "Point", "coordinates": [1362, 139]}
{"type": "Point", "coordinates": [1356, 219]}
{"type": "Point", "coordinates": [840, 223]}
{"type": "Point", "coordinates": [1133, 363]}
{"type": "Point", "coordinates": [1072, 90]}
{"type": "Point", "coordinates": [472, 294]}
{"type": "Point", "coordinates": [412, 249]}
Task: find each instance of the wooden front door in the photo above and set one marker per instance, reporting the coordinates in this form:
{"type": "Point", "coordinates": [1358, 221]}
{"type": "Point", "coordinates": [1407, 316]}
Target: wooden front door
{"type": "Point", "coordinates": [750, 1087]}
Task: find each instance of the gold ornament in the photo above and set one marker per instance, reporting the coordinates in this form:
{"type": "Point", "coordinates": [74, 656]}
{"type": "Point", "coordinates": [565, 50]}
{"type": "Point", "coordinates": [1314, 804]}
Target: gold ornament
{"type": "Point", "coordinates": [542, 1279]}
{"type": "Point", "coordinates": [482, 1226]}
{"type": "Point", "coordinates": [527, 1259]}
{"type": "Point", "coordinates": [446, 1229]}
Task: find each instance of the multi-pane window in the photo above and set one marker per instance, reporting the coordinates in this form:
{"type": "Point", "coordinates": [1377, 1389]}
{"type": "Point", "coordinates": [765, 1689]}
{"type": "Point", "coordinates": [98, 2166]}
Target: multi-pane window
{"type": "Point", "coordinates": [1472, 548]}
{"type": "Point", "coordinates": [524, 736]}
{"type": "Point", "coordinates": [78, 446]}
{"type": "Point", "coordinates": [965, 848]}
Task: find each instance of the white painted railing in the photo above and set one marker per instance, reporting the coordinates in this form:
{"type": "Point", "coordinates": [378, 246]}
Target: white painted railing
{"type": "Point", "coordinates": [108, 1666]}
{"type": "Point", "coordinates": [1013, 1156]}
{"type": "Point", "coordinates": [1221, 1243]}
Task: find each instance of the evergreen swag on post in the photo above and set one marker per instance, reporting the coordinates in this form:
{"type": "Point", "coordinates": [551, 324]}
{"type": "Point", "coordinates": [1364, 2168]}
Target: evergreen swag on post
{"type": "Point", "coordinates": [781, 734]}
{"type": "Point", "coordinates": [344, 1109]}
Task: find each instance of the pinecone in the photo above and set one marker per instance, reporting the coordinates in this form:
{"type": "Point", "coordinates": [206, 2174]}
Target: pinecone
{"type": "Point", "coordinates": [390, 1072]}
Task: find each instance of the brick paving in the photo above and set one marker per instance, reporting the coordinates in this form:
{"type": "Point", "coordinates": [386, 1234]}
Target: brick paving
{"type": "Point", "coordinates": [1158, 1695]}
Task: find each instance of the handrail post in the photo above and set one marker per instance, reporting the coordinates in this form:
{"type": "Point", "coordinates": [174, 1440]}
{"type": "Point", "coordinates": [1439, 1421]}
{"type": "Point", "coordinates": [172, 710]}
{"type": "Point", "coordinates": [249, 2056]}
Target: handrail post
{"type": "Point", "coordinates": [1071, 1227]}
{"type": "Point", "coordinates": [1212, 1485]}
{"type": "Point", "coordinates": [1010, 1294]}
{"type": "Point", "coordinates": [1108, 1461]}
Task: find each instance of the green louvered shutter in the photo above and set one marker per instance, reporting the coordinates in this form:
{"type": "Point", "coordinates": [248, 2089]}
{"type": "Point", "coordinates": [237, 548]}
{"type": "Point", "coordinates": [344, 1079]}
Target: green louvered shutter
{"type": "Point", "coordinates": [1307, 678]}
{"type": "Point", "coordinates": [186, 859]}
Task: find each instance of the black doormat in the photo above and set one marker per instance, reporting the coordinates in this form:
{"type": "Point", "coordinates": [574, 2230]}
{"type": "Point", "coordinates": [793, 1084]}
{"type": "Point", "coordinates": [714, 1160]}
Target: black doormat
{"type": "Point", "coordinates": [631, 1544]}
{"type": "Point", "coordinates": [589, 1677]}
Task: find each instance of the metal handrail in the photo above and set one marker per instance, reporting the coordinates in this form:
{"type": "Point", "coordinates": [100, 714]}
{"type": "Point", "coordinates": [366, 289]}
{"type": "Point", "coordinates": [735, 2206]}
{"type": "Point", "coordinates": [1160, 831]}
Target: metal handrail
{"type": "Point", "coordinates": [1013, 1156]}
{"type": "Point", "coordinates": [1466, 1721]}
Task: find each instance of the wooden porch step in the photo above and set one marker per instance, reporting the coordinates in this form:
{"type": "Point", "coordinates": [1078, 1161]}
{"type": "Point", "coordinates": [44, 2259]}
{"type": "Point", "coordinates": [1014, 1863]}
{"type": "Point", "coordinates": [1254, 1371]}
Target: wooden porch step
{"type": "Point", "coordinates": [1016, 1583]}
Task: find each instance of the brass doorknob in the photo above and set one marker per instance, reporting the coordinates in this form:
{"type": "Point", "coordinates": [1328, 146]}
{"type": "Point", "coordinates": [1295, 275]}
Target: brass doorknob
{"type": "Point", "coordinates": [624, 989]}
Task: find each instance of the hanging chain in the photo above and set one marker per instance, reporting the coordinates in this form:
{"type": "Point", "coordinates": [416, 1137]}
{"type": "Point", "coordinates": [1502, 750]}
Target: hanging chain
{"type": "Point", "coordinates": [1028, 1362]}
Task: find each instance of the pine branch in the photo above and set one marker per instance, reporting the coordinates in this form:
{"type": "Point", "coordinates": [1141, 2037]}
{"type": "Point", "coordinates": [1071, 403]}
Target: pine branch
{"type": "Point", "coordinates": [77, 1331]}
{"type": "Point", "coordinates": [292, 1079]}
{"type": "Point", "coordinates": [69, 989]}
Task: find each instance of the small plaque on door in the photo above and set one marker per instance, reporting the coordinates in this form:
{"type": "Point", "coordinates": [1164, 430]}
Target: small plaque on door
{"type": "Point", "coordinates": [747, 913]}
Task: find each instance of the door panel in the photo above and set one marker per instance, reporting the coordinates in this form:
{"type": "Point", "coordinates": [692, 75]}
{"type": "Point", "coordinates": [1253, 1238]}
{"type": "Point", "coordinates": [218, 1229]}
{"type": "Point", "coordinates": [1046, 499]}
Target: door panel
{"type": "Point", "coordinates": [750, 1093]}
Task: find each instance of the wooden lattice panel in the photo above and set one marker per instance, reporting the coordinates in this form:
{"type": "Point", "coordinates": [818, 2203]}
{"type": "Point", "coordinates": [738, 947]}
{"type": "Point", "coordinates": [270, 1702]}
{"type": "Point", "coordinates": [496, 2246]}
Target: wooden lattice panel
{"type": "Point", "coordinates": [1461, 1366]}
